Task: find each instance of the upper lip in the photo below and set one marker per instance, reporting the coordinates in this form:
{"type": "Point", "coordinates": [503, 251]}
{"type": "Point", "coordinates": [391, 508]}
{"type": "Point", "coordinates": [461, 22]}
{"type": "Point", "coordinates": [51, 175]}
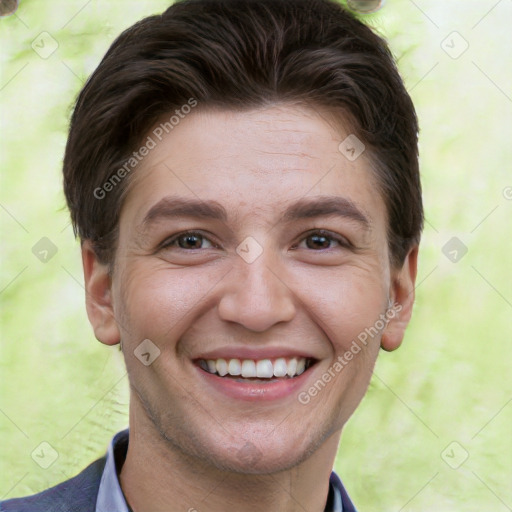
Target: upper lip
{"type": "Point", "coordinates": [232, 352]}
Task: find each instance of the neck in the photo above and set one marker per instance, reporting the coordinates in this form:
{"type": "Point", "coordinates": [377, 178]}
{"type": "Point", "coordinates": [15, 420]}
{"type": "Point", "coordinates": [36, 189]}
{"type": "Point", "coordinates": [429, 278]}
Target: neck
{"type": "Point", "coordinates": [158, 476]}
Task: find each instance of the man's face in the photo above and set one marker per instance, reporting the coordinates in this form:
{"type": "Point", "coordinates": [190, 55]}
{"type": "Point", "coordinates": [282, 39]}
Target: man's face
{"type": "Point", "coordinates": [286, 258]}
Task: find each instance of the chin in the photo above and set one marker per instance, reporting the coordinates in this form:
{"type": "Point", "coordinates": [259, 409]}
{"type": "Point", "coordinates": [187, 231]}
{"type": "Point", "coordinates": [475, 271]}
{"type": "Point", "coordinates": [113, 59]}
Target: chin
{"type": "Point", "coordinates": [261, 454]}
{"type": "Point", "coordinates": [251, 461]}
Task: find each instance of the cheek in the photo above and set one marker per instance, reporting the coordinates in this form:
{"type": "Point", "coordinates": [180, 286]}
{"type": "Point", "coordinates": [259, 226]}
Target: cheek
{"type": "Point", "coordinates": [156, 302]}
{"type": "Point", "coordinates": [345, 302]}
{"type": "Point", "coordinates": [159, 303]}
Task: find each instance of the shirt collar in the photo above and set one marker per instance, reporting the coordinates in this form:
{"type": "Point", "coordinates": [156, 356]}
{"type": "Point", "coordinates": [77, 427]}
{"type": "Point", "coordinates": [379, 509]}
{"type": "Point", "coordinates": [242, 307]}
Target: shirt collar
{"type": "Point", "coordinates": [110, 495]}
{"type": "Point", "coordinates": [111, 498]}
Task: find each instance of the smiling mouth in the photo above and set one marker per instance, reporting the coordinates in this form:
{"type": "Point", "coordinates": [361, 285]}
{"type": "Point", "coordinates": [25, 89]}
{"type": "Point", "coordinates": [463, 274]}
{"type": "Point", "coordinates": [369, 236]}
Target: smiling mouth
{"type": "Point", "coordinates": [261, 370]}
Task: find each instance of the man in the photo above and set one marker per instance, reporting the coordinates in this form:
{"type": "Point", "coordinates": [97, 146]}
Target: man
{"type": "Point", "coordinates": [243, 176]}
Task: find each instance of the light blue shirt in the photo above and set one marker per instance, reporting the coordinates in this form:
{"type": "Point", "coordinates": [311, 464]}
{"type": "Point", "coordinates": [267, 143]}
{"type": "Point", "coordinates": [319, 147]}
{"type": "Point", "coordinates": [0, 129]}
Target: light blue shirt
{"type": "Point", "coordinates": [111, 498]}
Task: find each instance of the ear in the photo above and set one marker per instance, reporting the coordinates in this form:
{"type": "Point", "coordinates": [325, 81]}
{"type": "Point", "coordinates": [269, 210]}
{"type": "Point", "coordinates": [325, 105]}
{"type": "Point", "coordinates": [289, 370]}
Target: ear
{"type": "Point", "coordinates": [98, 297]}
{"type": "Point", "coordinates": [402, 296]}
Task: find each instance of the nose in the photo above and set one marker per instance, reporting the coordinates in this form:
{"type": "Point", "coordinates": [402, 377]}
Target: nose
{"type": "Point", "coordinates": [256, 297]}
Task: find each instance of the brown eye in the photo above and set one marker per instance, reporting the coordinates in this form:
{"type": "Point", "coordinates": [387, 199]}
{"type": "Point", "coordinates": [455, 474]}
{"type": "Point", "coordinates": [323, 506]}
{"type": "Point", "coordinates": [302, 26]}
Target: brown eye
{"type": "Point", "coordinates": [189, 240]}
{"type": "Point", "coordinates": [322, 240]}
{"type": "Point", "coordinates": [319, 241]}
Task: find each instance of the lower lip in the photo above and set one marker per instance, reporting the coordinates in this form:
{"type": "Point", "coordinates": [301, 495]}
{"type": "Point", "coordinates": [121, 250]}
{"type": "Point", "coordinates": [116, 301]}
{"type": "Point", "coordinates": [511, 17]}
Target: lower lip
{"type": "Point", "coordinates": [253, 391]}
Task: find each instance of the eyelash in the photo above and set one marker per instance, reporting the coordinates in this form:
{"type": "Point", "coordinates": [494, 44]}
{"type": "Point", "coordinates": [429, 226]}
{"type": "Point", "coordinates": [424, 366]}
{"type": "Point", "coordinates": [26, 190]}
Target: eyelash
{"type": "Point", "coordinates": [342, 241]}
{"type": "Point", "coordinates": [170, 241]}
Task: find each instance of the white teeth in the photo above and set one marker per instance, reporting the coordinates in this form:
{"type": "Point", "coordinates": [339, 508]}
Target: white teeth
{"type": "Point", "coordinates": [222, 367]}
{"type": "Point", "coordinates": [292, 367]}
{"type": "Point", "coordinates": [280, 367]}
{"type": "Point", "coordinates": [234, 367]}
{"type": "Point", "coordinates": [301, 366]}
{"type": "Point", "coordinates": [248, 368]}
{"type": "Point", "coordinates": [262, 369]}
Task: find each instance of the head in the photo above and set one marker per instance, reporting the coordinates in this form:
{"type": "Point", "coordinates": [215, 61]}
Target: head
{"type": "Point", "coordinates": [243, 176]}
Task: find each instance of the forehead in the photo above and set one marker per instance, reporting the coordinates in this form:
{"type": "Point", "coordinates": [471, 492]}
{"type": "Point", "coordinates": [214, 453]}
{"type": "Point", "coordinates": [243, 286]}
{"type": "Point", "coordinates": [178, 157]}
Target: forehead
{"type": "Point", "coordinates": [256, 161]}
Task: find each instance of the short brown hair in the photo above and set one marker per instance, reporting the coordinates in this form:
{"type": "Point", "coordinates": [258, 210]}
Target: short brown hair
{"type": "Point", "coordinates": [241, 54]}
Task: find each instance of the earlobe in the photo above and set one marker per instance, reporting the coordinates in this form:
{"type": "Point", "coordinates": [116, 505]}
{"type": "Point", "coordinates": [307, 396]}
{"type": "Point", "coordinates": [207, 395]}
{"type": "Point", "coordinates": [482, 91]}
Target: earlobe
{"type": "Point", "coordinates": [98, 297]}
{"type": "Point", "coordinates": [402, 301]}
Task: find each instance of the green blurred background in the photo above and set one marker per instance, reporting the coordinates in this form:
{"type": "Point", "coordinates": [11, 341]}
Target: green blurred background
{"type": "Point", "coordinates": [435, 429]}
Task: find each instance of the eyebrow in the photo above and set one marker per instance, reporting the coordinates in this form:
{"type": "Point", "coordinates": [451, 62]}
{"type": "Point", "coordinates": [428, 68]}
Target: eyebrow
{"type": "Point", "coordinates": [305, 208]}
{"type": "Point", "coordinates": [322, 206]}
{"type": "Point", "coordinates": [171, 206]}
